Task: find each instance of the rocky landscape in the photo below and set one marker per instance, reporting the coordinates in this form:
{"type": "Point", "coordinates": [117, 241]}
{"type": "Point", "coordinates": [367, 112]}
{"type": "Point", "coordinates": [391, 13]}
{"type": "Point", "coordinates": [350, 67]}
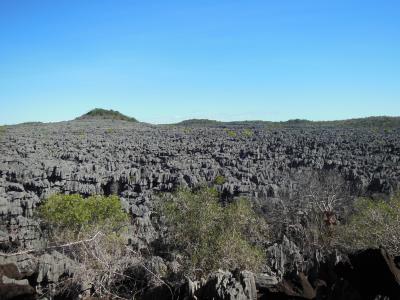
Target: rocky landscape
{"type": "Point", "coordinates": [136, 161]}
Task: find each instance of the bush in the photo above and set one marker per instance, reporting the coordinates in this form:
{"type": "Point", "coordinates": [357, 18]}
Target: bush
{"type": "Point", "coordinates": [76, 214]}
{"type": "Point", "coordinates": [231, 133]}
{"type": "Point", "coordinates": [210, 236]}
{"type": "Point", "coordinates": [187, 130]}
{"type": "Point", "coordinates": [219, 180]}
{"type": "Point", "coordinates": [90, 232]}
{"type": "Point", "coordinates": [110, 131]}
{"type": "Point", "coordinates": [374, 223]}
{"type": "Point", "coordinates": [248, 133]}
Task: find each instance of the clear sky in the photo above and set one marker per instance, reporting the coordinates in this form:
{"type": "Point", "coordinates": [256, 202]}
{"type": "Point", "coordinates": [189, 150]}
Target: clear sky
{"type": "Point", "coordinates": [165, 61]}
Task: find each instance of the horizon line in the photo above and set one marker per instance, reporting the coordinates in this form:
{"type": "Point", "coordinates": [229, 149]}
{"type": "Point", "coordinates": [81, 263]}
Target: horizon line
{"type": "Point", "coordinates": [219, 121]}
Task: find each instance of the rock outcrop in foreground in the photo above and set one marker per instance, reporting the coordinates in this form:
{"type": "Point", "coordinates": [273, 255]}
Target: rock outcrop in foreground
{"type": "Point", "coordinates": [134, 160]}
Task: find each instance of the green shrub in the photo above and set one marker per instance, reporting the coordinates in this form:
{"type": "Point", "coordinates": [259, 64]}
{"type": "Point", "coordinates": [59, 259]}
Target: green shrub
{"type": "Point", "coordinates": [219, 180]}
{"type": "Point", "coordinates": [248, 132]}
{"type": "Point", "coordinates": [187, 130]}
{"type": "Point", "coordinates": [375, 223]}
{"type": "Point", "coordinates": [210, 236]}
{"type": "Point", "coordinates": [75, 214]}
{"type": "Point", "coordinates": [110, 131]}
{"type": "Point", "coordinates": [231, 133]}
{"type": "Point", "coordinates": [89, 231]}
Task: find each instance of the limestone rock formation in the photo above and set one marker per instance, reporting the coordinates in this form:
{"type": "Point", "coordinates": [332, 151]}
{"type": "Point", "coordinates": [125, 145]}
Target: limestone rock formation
{"type": "Point", "coordinates": [135, 161]}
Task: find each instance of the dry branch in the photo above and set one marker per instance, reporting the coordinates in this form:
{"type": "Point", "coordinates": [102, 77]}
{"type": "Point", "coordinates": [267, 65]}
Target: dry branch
{"type": "Point", "coordinates": [99, 233]}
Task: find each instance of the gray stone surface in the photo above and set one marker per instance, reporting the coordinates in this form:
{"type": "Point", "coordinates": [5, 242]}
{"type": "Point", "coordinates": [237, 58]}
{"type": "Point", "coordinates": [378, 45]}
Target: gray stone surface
{"type": "Point", "coordinates": [135, 160]}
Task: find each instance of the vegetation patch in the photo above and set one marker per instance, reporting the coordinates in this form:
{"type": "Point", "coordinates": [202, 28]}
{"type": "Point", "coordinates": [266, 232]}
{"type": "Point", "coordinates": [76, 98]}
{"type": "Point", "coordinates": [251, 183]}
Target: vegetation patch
{"type": "Point", "coordinates": [219, 180]}
{"type": "Point", "coordinates": [187, 130]}
{"type": "Point", "coordinates": [90, 232]}
{"type": "Point", "coordinates": [110, 131]}
{"type": "Point", "coordinates": [247, 132]}
{"type": "Point", "coordinates": [375, 223]}
{"type": "Point", "coordinates": [231, 133]}
{"type": "Point", "coordinates": [210, 236]}
{"type": "Point", "coordinates": [77, 214]}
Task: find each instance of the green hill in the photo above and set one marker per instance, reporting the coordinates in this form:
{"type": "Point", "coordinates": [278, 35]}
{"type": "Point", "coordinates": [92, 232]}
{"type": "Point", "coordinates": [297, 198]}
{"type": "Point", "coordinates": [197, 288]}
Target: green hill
{"type": "Point", "coordinates": [99, 113]}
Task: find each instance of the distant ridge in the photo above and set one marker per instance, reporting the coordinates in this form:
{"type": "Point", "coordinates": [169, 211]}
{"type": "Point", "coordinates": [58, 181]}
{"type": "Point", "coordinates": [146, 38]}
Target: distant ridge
{"type": "Point", "coordinates": [199, 122]}
{"type": "Point", "coordinates": [99, 113]}
{"type": "Point", "coordinates": [374, 122]}
{"type": "Point", "coordinates": [368, 122]}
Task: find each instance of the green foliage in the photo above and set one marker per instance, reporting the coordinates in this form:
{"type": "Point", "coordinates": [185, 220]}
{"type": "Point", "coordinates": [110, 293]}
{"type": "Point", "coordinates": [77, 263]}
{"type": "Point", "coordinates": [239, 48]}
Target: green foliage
{"type": "Point", "coordinates": [75, 214]}
{"type": "Point", "coordinates": [219, 180]}
{"type": "Point", "coordinates": [248, 132]}
{"type": "Point", "coordinates": [187, 130]}
{"type": "Point", "coordinates": [211, 236]}
{"type": "Point", "coordinates": [110, 130]}
{"type": "Point", "coordinates": [375, 223]}
{"type": "Point", "coordinates": [89, 231]}
{"type": "Point", "coordinates": [231, 133]}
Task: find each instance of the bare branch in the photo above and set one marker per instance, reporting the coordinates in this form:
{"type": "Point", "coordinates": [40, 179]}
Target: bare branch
{"type": "Point", "coordinates": [53, 247]}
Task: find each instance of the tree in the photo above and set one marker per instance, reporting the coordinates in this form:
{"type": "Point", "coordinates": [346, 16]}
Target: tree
{"type": "Point", "coordinates": [308, 212]}
{"type": "Point", "coordinates": [327, 192]}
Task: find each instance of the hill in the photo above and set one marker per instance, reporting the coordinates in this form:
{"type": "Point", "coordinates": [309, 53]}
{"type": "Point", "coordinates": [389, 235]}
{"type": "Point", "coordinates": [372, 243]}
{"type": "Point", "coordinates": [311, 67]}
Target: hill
{"type": "Point", "coordinates": [99, 113]}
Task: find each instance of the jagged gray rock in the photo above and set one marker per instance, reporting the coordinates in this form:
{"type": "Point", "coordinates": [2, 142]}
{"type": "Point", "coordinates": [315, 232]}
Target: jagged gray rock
{"type": "Point", "coordinates": [136, 160]}
{"type": "Point", "coordinates": [224, 285]}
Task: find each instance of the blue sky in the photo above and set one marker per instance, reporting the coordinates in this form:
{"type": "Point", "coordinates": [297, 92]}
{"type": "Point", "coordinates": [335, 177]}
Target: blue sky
{"type": "Point", "coordinates": [165, 61]}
